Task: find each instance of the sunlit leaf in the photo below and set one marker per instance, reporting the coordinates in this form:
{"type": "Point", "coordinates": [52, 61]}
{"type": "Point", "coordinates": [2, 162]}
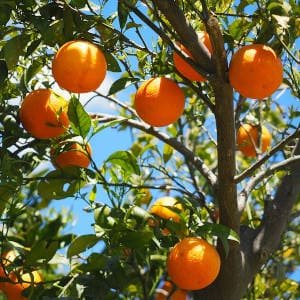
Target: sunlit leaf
{"type": "Point", "coordinates": [125, 160]}
{"type": "Point", "coordinates": [60, 184]}
{"type": "Point", "coordinates": [79, 118]}
{"type": "Point", "coordinates": [82, 243]}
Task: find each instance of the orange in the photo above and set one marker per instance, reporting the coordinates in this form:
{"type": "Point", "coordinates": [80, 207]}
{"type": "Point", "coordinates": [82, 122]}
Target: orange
{"type": "Point", "coordinates": [44, 114]}
{"type": "Point", "coordinates": [185, 68]}
{"type": "Point", "coordinates": [255, 71]}
{"type": "Point", "coordinates": [159, 101]}
{"type": "Point", "coordinates": [74, 154]}
{"type": "Point", "coordinates": [79, 66]}
{"type": "Point", "coordinates": [6, 259]}
{"type": "Point", "coordinates": [248, 140]}
{"type": "Point", "coordinates": [179, 295]}
{"type": "Point", "coordinates": [13, 291]}
{"type": "Point", "coordinates": [163, 292]}
{"type": "Point", "coordinates": [193, 263]}
{"type": "Point", "coordinates": [166, 208]}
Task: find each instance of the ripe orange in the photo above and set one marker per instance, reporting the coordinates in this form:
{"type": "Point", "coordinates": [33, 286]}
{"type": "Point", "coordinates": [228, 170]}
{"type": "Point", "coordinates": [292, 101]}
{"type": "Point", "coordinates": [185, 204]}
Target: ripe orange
{"type": "Point", "coordinates": [68, 154]}
{"type": "Point", "coordinates": [248, 140]}
{"type": "Point", "coordinates": [163, 292]}
{"type": "Point", "coordinates": [159, 101]}
{"type": "Point", "coordinates": [179, 295]}
{"type": "Point", "coordinates": [6, 259]}
{"type": "Point", "coordinates": [13, 291]}
{"type": "Point", "coordinates": [43, 114]}
{"type": "Point", "coordinates": [166, 207]}
{"type": "Point", "coordinates": [186, 69]}
{"type": "Point", "coordinates": [255, 71]}
{"type": "Point", "coordinates": [79, 66]}
{"type": "Point", "coordinates": [193, 263]}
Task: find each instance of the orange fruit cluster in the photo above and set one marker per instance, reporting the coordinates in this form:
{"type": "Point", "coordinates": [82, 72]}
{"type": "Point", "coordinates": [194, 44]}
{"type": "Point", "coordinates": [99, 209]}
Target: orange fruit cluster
{"type": "Point", "coordinates": [255, 72]}
{"type": "Point", "coordinates": [78, 66]}
{"type": "Point", "coordinates": [159, 101]}
{"type": "Point", "coordinates": [192, 263]}
{"type": "Point", "coordinates": [20, 281]}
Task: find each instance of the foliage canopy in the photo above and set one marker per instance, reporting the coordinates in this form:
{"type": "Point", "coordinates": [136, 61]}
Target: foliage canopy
{"type": "Point", "coordinates": [248, 207]}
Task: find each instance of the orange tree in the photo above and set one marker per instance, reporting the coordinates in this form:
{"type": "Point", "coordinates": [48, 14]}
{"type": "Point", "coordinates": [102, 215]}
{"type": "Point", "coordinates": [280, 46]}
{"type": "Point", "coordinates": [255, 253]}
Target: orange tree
{"type": "Point", "coordinates": [246, 206]}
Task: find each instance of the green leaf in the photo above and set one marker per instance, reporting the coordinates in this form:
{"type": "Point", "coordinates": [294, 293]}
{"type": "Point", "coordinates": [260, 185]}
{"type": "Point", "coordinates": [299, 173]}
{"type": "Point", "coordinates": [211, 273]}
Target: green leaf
{"type": "Point", "coordinates": [93, 194]}
{"type": "Point", "coordinates": [78, 3]}
{"type": "Point", "coordinates": [60, 184]}
{"type": "Point", "coordinates": [107, 125]}
{"type": "Point", "coordinates": [42, 250]}
{"type": "Point", "coordinates": [125, 160]}
{"type": "Point", "coordinates": [51, 229]}
{"type": "Point", "coordinates": [79, 118]}
{"type": "Point", "coordinates": [68, 24]}
{"type": "Point", "coordinates": [82, 243]}
{"type": "Point", "coordinates": [167, 153]}
{"type": "Point", "coordinates": [32, 47]}
{"type": "Point", "coordinates": [33, 69]}
{"type": "Point", "coordinates": [3, 71]}
{"type": "Point", "coordinates": [5, 11]}
{"type": "Point", "coordinates": [123, 12]}
{"type": "Point", "coordinates": [112, 63]}
{"type": "Point", "coordinates": [222, 232]}
{"type": "Point", "coordinates": [136, 239]}
{"type": "Point", "coordinates": [282, 21]}
{"type": "Point", "coordinates": [238, 28]}
{"type": "Point", "coordinates": [13, 49]}
{"type": "Point", "coordinates": [121, 84]}
{"type": "Point", "coordinates": [132, 25]}
{"type": "Point", "coordinates": [95, 262]}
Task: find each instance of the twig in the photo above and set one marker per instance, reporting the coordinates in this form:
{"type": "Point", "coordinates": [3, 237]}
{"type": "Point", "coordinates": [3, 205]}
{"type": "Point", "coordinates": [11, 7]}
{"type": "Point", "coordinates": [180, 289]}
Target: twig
{"type": "Point", "coordinates": [260, 162]}
{"type": "Point", "coordinates": [117, 102]}
{"type": "Point", "coordinates": [187, 153]}
{"type": "Point", "coordinates": [283, 165]}
{"type": "Point", "coordinates": [188, 37]}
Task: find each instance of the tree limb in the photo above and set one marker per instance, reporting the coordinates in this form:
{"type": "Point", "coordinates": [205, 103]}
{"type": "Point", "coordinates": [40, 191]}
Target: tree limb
{"type": "Point", "coordinates": [187, 34]}
{"type": "Point", "coordinates": [276, 216]}
{"type": "Point", "coordinates": [260, 162]}
{"type": "Point", "coordinates": [283, 165]}
{"type": "Point", "coordinates": [188, 154]}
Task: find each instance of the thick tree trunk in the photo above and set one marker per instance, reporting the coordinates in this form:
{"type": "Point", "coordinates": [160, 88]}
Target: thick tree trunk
{"type": "Point", "coordinates": [244, 260]}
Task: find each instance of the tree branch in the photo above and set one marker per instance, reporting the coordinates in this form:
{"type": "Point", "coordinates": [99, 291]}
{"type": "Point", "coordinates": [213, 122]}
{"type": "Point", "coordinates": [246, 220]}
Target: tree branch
{"type": "Point", "coordinates": [188, 154]}
{"type": "Point", "coordinates": [187, 34]}
{"type": "Point", "coordinates": [283, 165]}
{"type": "Point", "coordinates": [276, 216]}
{"type": "Point", "coordinates": [260, 162]}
